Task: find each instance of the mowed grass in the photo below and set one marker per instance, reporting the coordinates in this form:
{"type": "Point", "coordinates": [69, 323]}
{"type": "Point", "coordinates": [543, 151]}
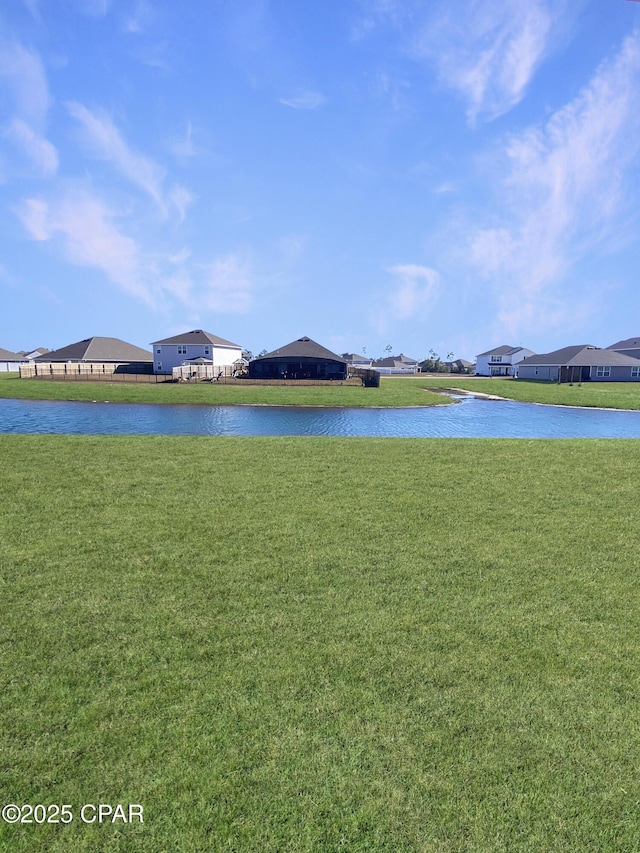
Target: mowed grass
{"type": "Point", "coordinates": [608, 395]}
{"type": "Point", "coordinates": [419, 390]}
{"type": "Point", "coordinates": [292, 644]}
{"type": "Point", "coordinates": [390, 393]}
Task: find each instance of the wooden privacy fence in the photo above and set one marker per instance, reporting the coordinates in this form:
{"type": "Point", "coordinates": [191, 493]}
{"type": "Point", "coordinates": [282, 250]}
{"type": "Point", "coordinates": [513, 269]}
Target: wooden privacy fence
{"type": "Point", "coordinates": [109, 372]}
{"type": "Point", "coordinates": [92, 372]}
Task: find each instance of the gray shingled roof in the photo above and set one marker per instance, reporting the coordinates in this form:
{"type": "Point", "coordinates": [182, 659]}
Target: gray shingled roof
{"type": "Point", "coordinates": [581, 355]}
{"type": "Point", "coordinates": [7, 355]}
{"type": "Point", "coordinates": [505, 349]}
{"type": "Point", "coordinates": [630, 343]}
{"type": "Point", "coordinates": [98, 349]}
{"type": "Point", "coordinates": [197, 337]}
{"type": "Point", "coordinates": [303, 348]}
{"type": "Point", "coordinates": [396, 361]}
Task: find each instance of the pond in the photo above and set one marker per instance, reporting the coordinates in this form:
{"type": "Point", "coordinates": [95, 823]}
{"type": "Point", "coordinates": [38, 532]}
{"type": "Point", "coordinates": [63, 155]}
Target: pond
{"type": "Point", "coordinates": [469, 417]}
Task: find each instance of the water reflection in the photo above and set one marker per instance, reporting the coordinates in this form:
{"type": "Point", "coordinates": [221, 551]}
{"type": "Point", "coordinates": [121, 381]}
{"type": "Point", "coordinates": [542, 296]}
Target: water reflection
{"type": "Point", "coordinates": [469, 418]}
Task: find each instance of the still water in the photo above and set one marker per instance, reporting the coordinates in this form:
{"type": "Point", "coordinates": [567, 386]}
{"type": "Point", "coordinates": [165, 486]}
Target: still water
{"type": "Point", "coordinates": [467, 418]}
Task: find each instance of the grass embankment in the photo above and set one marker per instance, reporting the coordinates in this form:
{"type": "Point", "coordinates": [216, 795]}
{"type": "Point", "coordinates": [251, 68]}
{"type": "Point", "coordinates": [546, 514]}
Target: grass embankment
{"type": "Point", "coordinates": [390, 393]}
{"type": "Point", "coordinates": [322, 644]}
{"type": "Point", "coordinates": [608, 395]}
{"type": "Point", "coordinates": [393, 391]}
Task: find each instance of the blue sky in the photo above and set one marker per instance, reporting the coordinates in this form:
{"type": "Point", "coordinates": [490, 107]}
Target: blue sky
{"type": "Point", "coordinates": [425, 175]}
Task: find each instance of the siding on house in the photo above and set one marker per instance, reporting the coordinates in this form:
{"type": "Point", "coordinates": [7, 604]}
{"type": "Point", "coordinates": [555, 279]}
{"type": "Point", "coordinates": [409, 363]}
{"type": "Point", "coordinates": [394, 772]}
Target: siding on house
{"type": "Point", "coordinates": [175, 351]}
{"type": "Point", "coordinates": [581, 363]}
{"type": "Point", "coordinates": [10, 361]}
{"type": "Point", "coordinates": [501, 361]}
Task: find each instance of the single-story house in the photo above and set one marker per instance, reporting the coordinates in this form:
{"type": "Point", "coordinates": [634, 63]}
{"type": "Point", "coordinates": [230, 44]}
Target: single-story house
{"type": "Point", "coordinates": [181, 349]}
{"type": "Point", "coordinates": [355, 360]}
{"type": "Point", "coordinates": [581, 363]}
{"type": "Point", "coordinates": [92, 355]}
{"type": "Point", "coordinates": [301, 359]}
{"type": "Point", "coordinates": [396, 364]}
{"type": "Point", "coordinates": [97, 349]}
{"type": "Point", "coordinates": [631, 346]}
{"type": "Point", "coordinates": [10, 361]}
{"type": "Point", "coordinates": [501, 361]}
{"type": "Point", "coordinates": [460, 365]}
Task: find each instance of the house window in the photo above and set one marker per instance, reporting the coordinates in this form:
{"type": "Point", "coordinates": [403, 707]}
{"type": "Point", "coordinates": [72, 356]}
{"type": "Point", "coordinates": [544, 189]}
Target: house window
{"type": "Point", "coordinates": [206, 350]}
{"type": "Point", "coordinates": [603, 371]}
{"type": "Point", "coordinates": [159, 366]}
{"type": "Point", "coordinates": [182, 349]}
{"type": "Point", "coordinates": [635, 372]}
{"type": "Point", "coordinates": [158, 350]}
{"type": "Point", "coordinates": [496, 358]}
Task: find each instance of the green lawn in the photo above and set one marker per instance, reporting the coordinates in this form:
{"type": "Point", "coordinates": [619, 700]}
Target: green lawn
{"type": "Point", "coordinates": [390, 393]}
{"type": "Point", "coordinates": [290, 644]}
{"type": "Point", "coordinates": [393, 391]}
{"type": "Point", "coordinates": [612, 395]}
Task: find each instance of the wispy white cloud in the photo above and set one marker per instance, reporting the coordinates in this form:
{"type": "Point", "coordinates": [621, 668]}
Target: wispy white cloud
{"type": "Point", "coordinates": [33, 8]}
{"type": "Point", "coordinates": [25, 77]}
{"type": "Point", "coordinates": [488, 51]}
{"type": "Point", "coordinates": [563, 191]}
{"type": "Point", "coordinates": [226, 286]}
{"type": "Point", "coordinates": [373, 14]}
{"type": "Point", "coordinates": [413, 292]}
{"type": "Point", "coordinates": [137, 19]}
{"type": "Point", "coordinates": [38, 150]}
{"type": "Point", "coordinates": [183, 149]}
{"type": "Point", "coordinates": [181, 198]}
{"type": "Point", "coordinates": [304, 100]}
{"type": "Point", "coordinates": [87, 232]}
{"type": "Point", "coordinates": [84, 229]}
{"type": "Point", "coordinates": [105, 142]}
{"type": "Point", "coordinates": [444, 188]}
{"type": "Point", "coordinates": [94, 8]}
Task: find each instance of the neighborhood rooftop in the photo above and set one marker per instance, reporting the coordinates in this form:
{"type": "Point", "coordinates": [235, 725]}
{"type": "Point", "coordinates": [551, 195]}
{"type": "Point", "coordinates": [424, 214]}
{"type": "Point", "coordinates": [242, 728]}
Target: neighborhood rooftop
{"type": "Point", "coordinates": [6, 355]}
{"type": "Point", "coordinates": [630, 343]}
{"type": "Point", "coordinates": [98, 349]}
{"type": "Point", "coordinates": [303, 348]}
{"type": "Point", "coordinates": [197, 337]}
{"type": "Point", "coordinates": [585, 355]}
{"type": "Point", "coordinates": [503, 350]}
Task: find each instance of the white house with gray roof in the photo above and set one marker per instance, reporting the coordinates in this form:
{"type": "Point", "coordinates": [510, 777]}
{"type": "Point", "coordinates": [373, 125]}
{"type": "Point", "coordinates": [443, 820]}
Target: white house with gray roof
{"type": "Point", "coordinates": [581, 363]}
{"type": "Point", "coordinates": [189, 346]}
{"type": "Point", "coordinates": [501, 361]}
{"type": "Point", "coordinates": [10, 361]}
{"type": "Point", "coordinates": [396, 364]}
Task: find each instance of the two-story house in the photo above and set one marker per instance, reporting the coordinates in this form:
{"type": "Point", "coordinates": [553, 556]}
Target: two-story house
{"type": "Point", "coordinates": [501, 361]}
{"type": "Point", "coordinates": [197, 344]}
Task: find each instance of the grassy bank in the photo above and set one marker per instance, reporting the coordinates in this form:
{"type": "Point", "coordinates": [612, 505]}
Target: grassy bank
{"type": "Point", "coordinates": [608, 395]}
{"type": "Point", "coordinates": [393, 391]}
{"type": "Point", "coordinates": [211, 393]}
{"type": "Point", "coordinates": [322, 644]}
